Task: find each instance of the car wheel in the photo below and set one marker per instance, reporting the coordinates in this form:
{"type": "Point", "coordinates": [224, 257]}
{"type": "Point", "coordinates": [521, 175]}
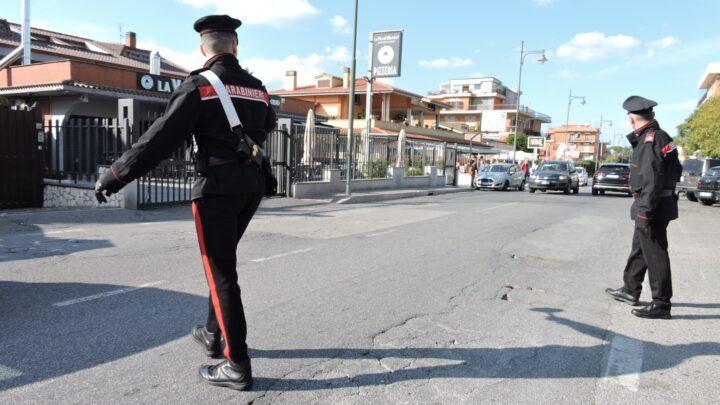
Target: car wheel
{"type": "Point", "coordinates": [567, 189]}
{"type": "Point", "coordinates": [505, 185]}
{"type": "Point", "coordinates": [707, 202]}
{"type": "Point", "coordinates": [630, 194]}
{"type": "Point", "coordinates": [543, 191]}
{"type": "Point", "coordinates": [690, 196]}
{"type": "Point", "coordinates": [594, 192]}
{"type": "Point", "coordinates": [532, 190]}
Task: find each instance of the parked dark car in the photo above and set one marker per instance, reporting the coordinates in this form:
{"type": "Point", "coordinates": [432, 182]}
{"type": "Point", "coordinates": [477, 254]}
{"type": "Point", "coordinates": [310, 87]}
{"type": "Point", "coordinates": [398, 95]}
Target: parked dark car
{"type": "Point", "coordinates": [708, 187]}
{"type": "Point", "coordinates": [692, 170]}
{"type": "Point", "coordinates": [613, 177]}
{"type": "Point", "coordinates": [557, 175]}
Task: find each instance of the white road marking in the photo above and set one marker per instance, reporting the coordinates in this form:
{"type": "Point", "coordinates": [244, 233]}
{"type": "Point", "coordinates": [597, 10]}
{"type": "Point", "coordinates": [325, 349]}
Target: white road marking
{"type": "Point", "coordinates": [370, 235]}
{"type": "Point", "coordinates": [497, 206]}
{"type": "Point", "coordinates": [294, 252]}
{"type": "Point", "coordinates": [105, 294]}
{"type": "Point", "coordinates": [624, 363]}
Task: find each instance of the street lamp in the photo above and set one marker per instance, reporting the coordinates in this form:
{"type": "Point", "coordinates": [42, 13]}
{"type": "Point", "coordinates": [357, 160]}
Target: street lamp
{"type": "Point", "coordinates": [597, 140]}
{"type": "Point", "coordinates": [351, 103]}
{"type": "Point", "coordinates": [570, 99]}
{"type": "Point", "coordinates": [542, 60]}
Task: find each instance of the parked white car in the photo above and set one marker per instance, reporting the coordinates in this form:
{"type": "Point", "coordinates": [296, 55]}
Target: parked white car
{"type": "Point", "coordinates": [582, 175]}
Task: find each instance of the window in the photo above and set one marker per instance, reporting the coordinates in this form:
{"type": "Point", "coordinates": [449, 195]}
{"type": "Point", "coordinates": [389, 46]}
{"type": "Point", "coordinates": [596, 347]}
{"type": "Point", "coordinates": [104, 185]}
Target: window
{"type": "Point", "coordinates": [465, 88]}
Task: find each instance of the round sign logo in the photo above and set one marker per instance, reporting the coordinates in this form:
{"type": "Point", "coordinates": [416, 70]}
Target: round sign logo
{"type": "Point", "coordinates": [147, 82]}
{"type": "Point", "coordinates": [386, 54]}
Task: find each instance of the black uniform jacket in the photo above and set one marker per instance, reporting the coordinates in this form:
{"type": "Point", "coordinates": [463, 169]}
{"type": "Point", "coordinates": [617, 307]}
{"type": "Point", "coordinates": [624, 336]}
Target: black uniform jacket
{"type": "Point", "coordinates": [654, 170]}
{"type": "Point", "coordinates": [194, 108]}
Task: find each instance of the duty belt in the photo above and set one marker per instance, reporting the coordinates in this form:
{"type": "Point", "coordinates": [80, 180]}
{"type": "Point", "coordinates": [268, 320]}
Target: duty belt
{"type": "Point", "coordinates": [663, 193]}
{"type": "Point", "coordinates": [216, 161]}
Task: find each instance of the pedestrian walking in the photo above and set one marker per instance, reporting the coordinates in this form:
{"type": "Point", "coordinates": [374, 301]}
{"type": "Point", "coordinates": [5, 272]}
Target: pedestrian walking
{"type": "Point", "coordinates": [472, 169]}
{"type": "Point", "coordinates": [229, 113]}
{"type": "Point", "coordinates": [654, 170]}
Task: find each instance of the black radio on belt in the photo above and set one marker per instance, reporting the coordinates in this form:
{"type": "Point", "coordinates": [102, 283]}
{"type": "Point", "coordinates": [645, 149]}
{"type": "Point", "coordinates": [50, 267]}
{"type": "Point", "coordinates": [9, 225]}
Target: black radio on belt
{"type": "Point", "coordinates": [247, 149]}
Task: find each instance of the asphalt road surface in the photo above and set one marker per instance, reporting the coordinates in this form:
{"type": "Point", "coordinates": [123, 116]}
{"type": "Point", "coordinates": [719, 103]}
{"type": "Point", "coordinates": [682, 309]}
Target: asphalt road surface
{"type": "Point", "coordinates": [478, 297]}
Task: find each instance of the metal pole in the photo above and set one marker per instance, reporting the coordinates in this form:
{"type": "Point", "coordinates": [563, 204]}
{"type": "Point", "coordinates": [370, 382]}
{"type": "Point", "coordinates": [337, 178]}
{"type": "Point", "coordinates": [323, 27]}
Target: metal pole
{"type": "Point", "coordinates": [567, 118]}
{"type": "Point", "coordinates": [517, 107]}
{"type": "Point", "coordinates": [26, 32]}
{"type": "Point", "coordinates": [369, 94]}
{"type": "Point", "coordinates": [597, 144]}
{"type": "Point", "coordinates": [351, 102]}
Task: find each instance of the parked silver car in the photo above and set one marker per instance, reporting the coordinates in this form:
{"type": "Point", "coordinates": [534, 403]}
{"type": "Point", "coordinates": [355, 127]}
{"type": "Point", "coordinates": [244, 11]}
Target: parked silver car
{"type": "Point", "coordinates": [582, 175]}
{"type": "Point", "coordinates": [501, 176]}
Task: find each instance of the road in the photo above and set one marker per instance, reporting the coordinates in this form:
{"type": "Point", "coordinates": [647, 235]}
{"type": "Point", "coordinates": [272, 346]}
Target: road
{"type": "Point", "coordinates": [479, 297]}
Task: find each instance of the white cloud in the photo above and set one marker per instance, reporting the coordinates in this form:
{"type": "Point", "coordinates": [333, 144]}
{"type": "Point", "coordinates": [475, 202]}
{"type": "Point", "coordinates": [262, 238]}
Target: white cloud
{"type": "Point", "coordinates": [189, 60]}
{"type": "Point", "coordinates": [444, 63]}
{"type": "Point", "coordinates": [588, 46]}
{"type": "Point", "coordinates": [275, 13]}
{"type": "Point", "coordinates": [665, 42]}
{"type": "Point", "coordinates": [272, 71]}
{"type": "Point", "coordinates": [543, 3]}
{"type": "Point", "coordinates": [340, 24]}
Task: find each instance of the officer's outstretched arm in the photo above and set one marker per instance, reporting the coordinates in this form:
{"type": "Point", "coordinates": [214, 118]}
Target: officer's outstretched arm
{"type": "Point", "coordinates": [158, 142]}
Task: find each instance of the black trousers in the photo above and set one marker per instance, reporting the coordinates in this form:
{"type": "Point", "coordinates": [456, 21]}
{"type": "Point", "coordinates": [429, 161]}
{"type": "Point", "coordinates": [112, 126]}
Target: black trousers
{"type": "Point", "coordinates": [220, 221]}
{"type": "Point", "coordinates": [649, 253]}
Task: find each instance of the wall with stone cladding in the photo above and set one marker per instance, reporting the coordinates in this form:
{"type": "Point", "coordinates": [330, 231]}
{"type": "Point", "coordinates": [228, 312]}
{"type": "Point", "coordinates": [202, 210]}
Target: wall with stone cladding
{"type": "Point", "coordinates": [71, 196]}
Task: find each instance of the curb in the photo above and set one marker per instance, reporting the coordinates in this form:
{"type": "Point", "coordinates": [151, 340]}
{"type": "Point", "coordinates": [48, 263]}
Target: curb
{"type": "Point", "coordinates": [366, 198]}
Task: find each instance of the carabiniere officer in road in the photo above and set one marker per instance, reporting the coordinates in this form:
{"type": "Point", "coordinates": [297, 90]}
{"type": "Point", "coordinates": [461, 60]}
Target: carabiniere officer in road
{"type": "Point", "coordinates": [654, 170]}
{"type": "Point", "coordinates": [229, 188]}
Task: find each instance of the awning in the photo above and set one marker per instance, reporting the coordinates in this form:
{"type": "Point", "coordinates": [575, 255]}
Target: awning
{"type": "Point", "coordinates": [72, 87]}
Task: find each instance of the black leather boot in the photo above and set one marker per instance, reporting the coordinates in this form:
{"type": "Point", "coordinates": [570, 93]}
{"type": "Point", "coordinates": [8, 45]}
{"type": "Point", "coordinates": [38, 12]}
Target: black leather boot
{"type": "Point", "coordinates": [653, 311]}
{"type": "Point", "coordinates": [237, 376]}
{"type": "Point", "coordinates": [211, 343]}
{"type": "Point", "coordinates": [621, 294]}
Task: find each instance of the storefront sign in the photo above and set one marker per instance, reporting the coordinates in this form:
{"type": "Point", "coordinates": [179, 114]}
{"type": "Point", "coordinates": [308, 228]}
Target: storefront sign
{"type": "Point", "coordinates": [387, 54]}
{"type": "Point", "coordinates": [535, 142]}
{"type": "Point", "coordinates": [162, 84]}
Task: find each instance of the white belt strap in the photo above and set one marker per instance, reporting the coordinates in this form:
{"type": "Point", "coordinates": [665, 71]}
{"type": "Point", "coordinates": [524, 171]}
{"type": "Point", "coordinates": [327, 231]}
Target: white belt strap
{"type": "Point", "coordinates": [227, 105]}
{"type": "Point", "coordinates": [224, 97]}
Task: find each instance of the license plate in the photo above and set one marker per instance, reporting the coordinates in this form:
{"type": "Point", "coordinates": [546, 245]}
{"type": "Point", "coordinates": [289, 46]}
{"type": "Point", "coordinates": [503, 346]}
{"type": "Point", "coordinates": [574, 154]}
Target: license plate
{"type": "Point", "coordinates": [544, 182]}
{"type": "Point", "coordinates": [706, 195]}
{"type": "Point", "coordinates": [613, 176]}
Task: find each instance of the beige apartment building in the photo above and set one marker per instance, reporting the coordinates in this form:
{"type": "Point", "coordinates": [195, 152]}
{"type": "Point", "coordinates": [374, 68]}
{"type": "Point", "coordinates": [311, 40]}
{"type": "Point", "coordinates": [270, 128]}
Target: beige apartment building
{"type": "Point", "coordinates": [572, 142]}
{"type": "Point", "coordinates": [710, 82]}
{"type": "Point", "coordinates": [485, 106]}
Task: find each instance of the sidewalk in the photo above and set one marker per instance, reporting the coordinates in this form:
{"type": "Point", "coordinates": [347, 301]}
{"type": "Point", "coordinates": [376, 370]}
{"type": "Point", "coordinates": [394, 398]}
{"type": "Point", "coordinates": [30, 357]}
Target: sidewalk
{"type": "Point", "coordinates": [384, 195]}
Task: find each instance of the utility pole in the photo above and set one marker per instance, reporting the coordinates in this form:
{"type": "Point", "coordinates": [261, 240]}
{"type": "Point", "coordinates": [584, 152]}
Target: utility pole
{"type": "Point", "coordinates": [597, 141]}
{"type": "Point", "coordinates": [523, 54]}
{"type": "Point", "coordinates": [567, 117]}
{"type": "Point", "coordinates": [351, 103]}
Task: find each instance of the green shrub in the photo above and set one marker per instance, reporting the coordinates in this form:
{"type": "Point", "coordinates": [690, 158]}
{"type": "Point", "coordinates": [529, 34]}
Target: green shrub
{"type": "Point", "coordinates": [377, 169]}
{"type": "Point", "coordinates": [414, 171]}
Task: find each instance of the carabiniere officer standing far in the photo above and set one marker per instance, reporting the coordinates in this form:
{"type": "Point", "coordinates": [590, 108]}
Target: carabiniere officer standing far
{"type": "Point", "coordinates": [228, 111]}
{"type": "Point", "coordinates": [654, 170]}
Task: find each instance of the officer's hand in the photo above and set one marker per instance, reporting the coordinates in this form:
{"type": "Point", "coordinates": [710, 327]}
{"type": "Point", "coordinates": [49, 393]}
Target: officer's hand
{"type": "Point", "coordinates": [99, 189]}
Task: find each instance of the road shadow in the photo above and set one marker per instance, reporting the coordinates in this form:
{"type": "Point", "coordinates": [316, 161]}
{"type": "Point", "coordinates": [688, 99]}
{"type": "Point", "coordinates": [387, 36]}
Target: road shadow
{"type": "Point", "coordinates": [535, 362]}
{"type": "Point", "coordinates": [40, 341]}
{"type": "Point", "coordinates": [33, 243]}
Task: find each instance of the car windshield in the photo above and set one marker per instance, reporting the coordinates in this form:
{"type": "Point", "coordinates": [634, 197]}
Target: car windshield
{"type": "Point", "coordinates": [553, 167]}
{"type": "Point", "coordinates": [580, 170]}
{"type": "Point", "coordinates": [614, 169]}
{"type": "Point", "coordinates": [496, 168]}
{"type": "Point", "coordinates": [714, 172]}
{"type": "Point", "coordinates": [692, 166]}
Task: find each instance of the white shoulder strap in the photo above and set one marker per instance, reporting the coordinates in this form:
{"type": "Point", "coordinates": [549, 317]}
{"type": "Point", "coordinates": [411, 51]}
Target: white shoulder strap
{"type": "Point", "coordinates": [224, 97]}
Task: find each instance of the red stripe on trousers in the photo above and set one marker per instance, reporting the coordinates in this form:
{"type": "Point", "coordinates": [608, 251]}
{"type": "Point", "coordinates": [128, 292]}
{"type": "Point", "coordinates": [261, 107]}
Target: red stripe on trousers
{"type": "Point", "coordinates": [209, 276]}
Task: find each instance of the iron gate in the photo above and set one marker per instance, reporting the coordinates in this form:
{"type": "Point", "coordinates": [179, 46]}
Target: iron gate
{"type": "Point", "coordinates": [450, 166]}
{"type": "Point", "coordinates": [21, 159]}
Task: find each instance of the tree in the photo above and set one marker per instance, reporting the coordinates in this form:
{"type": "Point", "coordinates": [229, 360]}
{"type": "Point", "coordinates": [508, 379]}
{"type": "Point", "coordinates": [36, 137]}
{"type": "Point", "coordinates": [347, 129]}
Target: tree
{"type": "Point", "coordinates": [618, 154]}
{"type": "Point", "coordinates": [521, 142]}
{"type": "Point", "coordinates": [701, 130]}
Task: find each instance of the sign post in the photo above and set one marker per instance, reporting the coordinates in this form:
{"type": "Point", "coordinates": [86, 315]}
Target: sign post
{"type": "Point", "coordinates": [384, 60]}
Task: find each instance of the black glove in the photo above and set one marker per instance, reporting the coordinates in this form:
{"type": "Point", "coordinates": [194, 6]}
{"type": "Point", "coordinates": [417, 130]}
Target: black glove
{"type": "Point", "coordinates": [99, 189]}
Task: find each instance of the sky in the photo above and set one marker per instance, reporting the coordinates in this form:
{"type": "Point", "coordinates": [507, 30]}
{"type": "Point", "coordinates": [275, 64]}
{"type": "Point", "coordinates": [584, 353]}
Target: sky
{"type": "Point", "coordinates": [604, 50]}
